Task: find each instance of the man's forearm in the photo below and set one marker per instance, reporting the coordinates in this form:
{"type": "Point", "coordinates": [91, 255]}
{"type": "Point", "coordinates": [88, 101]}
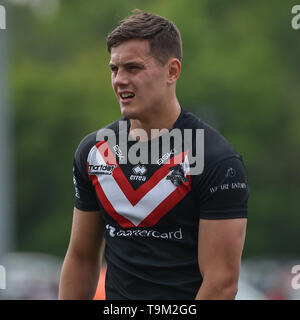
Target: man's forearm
{"type": "Point", "coordinates": [79, 279]}
{"type": "Point", "coordinates": [212, 290]}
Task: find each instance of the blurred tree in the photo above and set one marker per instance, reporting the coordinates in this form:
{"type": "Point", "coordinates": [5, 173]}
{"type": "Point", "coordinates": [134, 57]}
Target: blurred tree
{"type": "Point", "coordinates": [240, 74]}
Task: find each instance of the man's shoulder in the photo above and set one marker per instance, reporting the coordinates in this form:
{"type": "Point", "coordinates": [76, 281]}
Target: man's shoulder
{"type": "Point", "coordinates": [90, 140]}
{"type": "Point", "coordinates": [216, 146]}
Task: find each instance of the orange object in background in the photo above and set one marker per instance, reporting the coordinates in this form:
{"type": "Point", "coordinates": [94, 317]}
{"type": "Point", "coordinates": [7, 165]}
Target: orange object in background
{"type": "Point", "coordinates": [100, 291]}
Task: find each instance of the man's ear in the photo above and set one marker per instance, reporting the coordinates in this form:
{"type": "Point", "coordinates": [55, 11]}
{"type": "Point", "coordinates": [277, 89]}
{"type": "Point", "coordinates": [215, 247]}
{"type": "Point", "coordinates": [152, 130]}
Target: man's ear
{"type": "Point", "coordinates": [174, 69]}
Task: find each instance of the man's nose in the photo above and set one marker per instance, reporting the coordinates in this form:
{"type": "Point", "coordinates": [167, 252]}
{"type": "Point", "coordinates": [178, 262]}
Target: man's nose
{"type": "Point", "coordinates": [120, 78]}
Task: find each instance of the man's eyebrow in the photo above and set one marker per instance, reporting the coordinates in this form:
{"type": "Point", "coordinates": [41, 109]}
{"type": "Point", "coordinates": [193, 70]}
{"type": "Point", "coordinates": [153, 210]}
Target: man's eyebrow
{"type": "Point", "coordinates": [136, 63]}
{"type": "Point", "coordinates": [127, 64]}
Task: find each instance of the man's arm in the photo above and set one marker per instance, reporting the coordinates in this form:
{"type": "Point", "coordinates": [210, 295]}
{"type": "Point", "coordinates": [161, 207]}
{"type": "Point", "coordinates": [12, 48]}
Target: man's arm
{"type": "Point", "coordinates": [220, 246]}
{"type": "Point", "coordinates": [80, 271]}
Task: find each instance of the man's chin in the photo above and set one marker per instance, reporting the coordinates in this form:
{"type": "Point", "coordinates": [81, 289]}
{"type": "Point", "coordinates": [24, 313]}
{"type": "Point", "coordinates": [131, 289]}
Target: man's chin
{"type": "Point", "coordinates": [128, 112]}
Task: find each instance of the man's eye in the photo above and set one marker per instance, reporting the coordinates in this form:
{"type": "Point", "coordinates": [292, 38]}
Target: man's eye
{"type": "Point", "coordinates": [113, 68]}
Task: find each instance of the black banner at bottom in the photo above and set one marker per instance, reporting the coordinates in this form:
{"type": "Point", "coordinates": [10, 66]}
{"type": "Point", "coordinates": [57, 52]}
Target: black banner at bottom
{"type": "Point", "coordinates": [38, 309]}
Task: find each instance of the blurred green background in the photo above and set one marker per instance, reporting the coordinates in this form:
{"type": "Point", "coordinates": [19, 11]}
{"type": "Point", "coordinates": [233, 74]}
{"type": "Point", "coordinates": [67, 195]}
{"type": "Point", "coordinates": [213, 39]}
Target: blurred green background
{"type": "Point", "coordinates": [240, 74]}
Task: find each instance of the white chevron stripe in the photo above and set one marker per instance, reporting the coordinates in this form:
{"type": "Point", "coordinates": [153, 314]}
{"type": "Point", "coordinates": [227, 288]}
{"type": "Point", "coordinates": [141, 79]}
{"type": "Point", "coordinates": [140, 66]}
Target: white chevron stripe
{"type": "Point", "coordinates": [137, 213]}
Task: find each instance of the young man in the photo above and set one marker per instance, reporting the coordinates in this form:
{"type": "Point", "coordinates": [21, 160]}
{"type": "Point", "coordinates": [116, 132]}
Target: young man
{"type": "Point", "coordinates": [171, 231]}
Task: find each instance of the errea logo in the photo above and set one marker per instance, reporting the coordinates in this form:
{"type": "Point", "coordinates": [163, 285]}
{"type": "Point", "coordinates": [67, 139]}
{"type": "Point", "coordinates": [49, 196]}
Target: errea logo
{"type": "Point", "coordinates": [139, 169]}
{"type": "Point", "coordinates": [139, 173]}
{"type": "Point", "coordinates": [2, 18]}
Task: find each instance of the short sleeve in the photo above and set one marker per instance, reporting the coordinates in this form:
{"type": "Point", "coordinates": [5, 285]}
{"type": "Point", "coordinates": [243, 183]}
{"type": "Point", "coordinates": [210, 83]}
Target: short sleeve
{"type": "Point", "coordinates": [85, 195]}
{"type": "Point", "coordinates": [222, 192]}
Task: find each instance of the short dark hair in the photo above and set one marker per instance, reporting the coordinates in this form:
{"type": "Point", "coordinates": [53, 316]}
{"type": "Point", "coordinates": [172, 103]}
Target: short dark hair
{"type": "Point", "coordinates": [164, 37]}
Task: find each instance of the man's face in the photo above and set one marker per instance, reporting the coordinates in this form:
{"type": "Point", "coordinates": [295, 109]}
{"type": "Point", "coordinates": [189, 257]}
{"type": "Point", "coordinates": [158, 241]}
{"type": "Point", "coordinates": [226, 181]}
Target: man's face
{"type": "Point", "coordinates": [138, 79]}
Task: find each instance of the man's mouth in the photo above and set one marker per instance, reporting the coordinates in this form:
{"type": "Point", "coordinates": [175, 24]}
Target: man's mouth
{"type": "Point", "coordinates": [126, 96]}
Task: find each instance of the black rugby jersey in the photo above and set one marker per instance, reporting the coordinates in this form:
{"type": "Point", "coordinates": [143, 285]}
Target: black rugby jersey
{"type": "Point", "coordinates": [152, 210]}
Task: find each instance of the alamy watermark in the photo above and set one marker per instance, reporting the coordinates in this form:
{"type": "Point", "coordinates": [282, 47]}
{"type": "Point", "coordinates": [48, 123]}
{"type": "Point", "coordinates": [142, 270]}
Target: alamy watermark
{"type": "Point", "coordinates": [296, 19]}
{"type": "Point", "coordinates": [2, 277]}
{"type": "Point", "coordinates": [296, 279]}
{"type": "Point", "coordinates": [2, 18]}
{"type": "Point", "coordinates": [172, 147]}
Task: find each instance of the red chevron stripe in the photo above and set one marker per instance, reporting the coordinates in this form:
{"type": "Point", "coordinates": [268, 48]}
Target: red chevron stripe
{"type": "Point", "coordinates": [134, 196]}
{"type": "Point", "coordinates": [108, 207]}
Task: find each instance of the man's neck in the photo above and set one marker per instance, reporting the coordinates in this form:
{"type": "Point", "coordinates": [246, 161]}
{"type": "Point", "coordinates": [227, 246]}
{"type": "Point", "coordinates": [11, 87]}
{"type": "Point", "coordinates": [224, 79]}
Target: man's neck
{"type": "Point", "coordinates": [165, 119]}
